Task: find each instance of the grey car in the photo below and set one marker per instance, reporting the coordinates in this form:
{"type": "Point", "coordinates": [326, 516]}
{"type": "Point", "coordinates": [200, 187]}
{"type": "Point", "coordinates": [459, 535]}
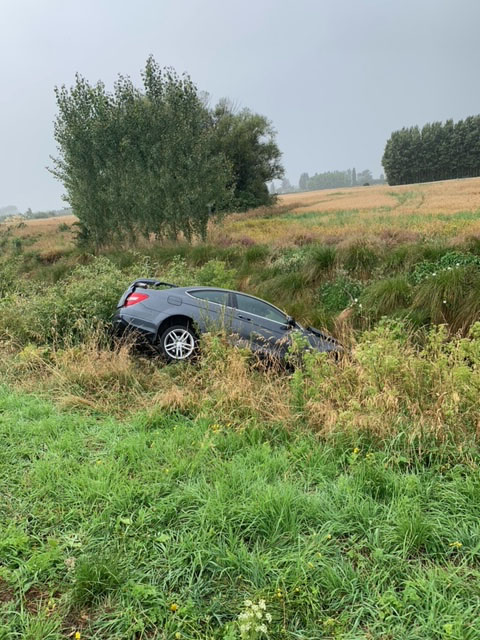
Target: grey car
{"type": "Point", "coordinates": [172, 318]}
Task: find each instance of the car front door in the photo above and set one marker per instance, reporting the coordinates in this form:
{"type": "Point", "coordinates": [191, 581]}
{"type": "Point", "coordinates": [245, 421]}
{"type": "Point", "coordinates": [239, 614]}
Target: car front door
{"type": "Point", "coordinates": [261, 324]}
{"type": "Point", "coordinates": [213, 309]}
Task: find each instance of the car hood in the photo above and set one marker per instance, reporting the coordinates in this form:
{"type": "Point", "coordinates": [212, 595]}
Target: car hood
{"type": "Point", "coordinates": [319, 340]}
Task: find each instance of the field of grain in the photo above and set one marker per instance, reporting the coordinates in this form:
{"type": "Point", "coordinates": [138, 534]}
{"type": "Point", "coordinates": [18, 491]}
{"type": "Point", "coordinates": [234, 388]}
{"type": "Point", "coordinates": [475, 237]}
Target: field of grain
{"type": "Point", "coordinates": [448, 210]}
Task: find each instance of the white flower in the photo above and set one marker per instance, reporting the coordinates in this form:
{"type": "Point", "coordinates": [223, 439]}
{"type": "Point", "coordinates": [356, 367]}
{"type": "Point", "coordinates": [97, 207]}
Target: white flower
{"type": "Point", "coordinates": [268, 617]}
{"type": "Point", "coordinates": [245, 627]}
{"type": "Point", "coordinates": [262, 628]}
{"type": "Point", "coordinates": [259, 614]}
{"type": "Point", "coordinates": [434, 274]}
{"type": "Point", "coordinates": [248, 603]}
{"type": "Point", "coordinates": [444, 302]}
{"type": "Point", "coordinates": [261, 604]}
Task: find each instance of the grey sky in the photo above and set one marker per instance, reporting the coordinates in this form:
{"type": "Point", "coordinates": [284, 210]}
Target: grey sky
{"type": "Point", "coordinates": [334, 77]}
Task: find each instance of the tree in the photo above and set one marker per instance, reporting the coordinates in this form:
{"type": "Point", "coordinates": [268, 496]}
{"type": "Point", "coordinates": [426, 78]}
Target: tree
{"type": "Point", "coordinates": [247, 140]}
{"type": "Point", "coordinates": [286, 187]}
{"type": "Point", "coordinates": [139, 161]}
{"type": "Point", "coordinates": [364, 177]}
{"type": "Point", "coordinates": [436, 152]}
{"type": "Point", "coordinates": [354, 177]}
{"type": "Point", "coordinates": [303, 182]}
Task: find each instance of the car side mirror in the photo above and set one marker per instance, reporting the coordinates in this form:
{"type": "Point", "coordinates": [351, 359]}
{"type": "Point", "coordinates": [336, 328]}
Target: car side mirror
{"type": "Point", "coordinates": [290, 321]}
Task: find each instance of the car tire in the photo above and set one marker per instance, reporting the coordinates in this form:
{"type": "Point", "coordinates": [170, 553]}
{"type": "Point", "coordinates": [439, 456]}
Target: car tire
{"type": "Point", "coordinates": [178, 343]}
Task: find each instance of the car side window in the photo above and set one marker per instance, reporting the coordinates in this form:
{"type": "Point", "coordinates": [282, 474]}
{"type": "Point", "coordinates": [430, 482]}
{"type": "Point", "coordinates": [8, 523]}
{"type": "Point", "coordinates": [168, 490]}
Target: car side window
{"type": "Point", "coordinates": [219, 297]}
{"type": "Point", "coordinates": [259, 308]}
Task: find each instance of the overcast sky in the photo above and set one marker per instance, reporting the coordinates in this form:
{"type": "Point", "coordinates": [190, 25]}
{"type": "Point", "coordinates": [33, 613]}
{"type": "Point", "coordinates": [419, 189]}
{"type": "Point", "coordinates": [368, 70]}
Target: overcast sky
{"type": "Point", "coordinates": [334, 77]}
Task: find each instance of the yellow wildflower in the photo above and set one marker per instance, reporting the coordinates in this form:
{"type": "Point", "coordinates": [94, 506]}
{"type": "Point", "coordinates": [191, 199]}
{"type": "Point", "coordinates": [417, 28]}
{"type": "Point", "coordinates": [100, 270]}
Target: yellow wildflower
{"type": "Point", "coordinates": [174, 607]}
{"type": "Point", "coordinates": [78, 635]}
{"type": "Point", "coordinates": [455, 545]}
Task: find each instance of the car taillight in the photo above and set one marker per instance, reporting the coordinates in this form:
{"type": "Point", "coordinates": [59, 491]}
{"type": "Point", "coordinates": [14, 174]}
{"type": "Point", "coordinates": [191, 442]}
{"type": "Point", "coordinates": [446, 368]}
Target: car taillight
{"type": "Point", "coordinates": [134, 298]}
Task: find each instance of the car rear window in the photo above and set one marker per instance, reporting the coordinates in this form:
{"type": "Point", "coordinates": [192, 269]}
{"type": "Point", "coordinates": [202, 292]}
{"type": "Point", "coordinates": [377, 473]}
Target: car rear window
{"type": "Point", "coordinates": [259, 308]}
{"type": "Point", "coordinates": [219, 297]}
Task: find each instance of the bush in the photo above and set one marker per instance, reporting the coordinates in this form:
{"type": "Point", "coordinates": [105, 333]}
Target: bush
{"type": "Point", "coordinates": [84, 301]}
{"type": "Point", "coordinates": [449, 261]}
{"type": "Point", "coordinates": [339, 293]}
{"type": "Point", "coordinates": [215, 274]}
{"type": "Point", "coordinates": [290, 260]}
{"type": "Point", "coordinates": [68, 310]}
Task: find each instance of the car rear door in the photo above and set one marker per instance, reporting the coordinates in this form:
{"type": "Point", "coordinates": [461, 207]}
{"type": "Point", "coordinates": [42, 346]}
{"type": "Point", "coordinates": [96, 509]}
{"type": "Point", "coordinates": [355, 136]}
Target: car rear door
{"type": "Point", "coordinates": [262, 324]}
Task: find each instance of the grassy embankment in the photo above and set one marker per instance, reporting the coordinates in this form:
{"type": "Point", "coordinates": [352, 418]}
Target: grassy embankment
{"type": "Point", "coordinates": [344, 496]}
{"type": "Point", "coordinates": [162, 525]}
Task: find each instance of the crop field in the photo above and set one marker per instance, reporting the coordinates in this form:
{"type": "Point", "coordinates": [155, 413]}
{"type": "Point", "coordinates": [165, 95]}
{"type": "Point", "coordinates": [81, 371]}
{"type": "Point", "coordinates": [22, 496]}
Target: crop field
{"type": "Point", "coordinates": [443, 209]}
{"type": "Point", "coordinates": [225, 500]}
{"type": "Point", "coordinates": [447, 210]}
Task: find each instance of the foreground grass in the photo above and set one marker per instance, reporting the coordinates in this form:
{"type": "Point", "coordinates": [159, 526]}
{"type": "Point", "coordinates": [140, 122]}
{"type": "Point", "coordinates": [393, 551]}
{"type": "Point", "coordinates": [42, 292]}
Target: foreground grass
{"type": "Point", "coordinates": [105, 524]}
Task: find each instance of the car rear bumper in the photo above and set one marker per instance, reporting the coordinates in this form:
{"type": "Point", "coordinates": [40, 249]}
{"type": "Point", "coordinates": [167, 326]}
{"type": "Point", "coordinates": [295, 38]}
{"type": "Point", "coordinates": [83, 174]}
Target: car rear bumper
{"type": "Point", "coordinates": [122, 328]}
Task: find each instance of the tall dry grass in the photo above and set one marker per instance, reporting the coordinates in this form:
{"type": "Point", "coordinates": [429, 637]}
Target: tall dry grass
{"type": "Point", "coordinates": [385, 386]}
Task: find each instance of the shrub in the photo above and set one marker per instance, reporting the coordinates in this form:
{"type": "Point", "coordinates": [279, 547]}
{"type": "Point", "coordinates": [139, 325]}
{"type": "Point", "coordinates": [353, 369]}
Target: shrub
{"type": "Point", "coordinates": [448, 261]}
{"type": "Point", "coordinates": [339, 293]}
{"type": "Point", "coordinates": [74, 307]}
{"type": "Point", "coordinates": [68, 310]}
{"type": "Point", "coordinates": [290, 260]}
{"type": "Point", "coordinates": [215, 274]}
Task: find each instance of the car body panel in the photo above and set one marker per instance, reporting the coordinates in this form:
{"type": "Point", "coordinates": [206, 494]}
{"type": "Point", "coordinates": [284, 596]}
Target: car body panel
{"type": "Point", "coordinates": [261, 334]}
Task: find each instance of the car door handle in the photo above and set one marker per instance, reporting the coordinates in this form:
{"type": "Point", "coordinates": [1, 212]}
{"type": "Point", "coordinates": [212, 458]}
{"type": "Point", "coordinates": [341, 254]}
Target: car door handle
{"type": "Point", "coordinates": [244, 318]}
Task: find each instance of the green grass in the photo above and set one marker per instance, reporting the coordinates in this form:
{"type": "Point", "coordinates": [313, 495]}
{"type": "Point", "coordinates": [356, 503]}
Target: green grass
{"type": "Point", "coordinates": [105, 524]}
{"type": "Point", "coordinates": [299, 280]}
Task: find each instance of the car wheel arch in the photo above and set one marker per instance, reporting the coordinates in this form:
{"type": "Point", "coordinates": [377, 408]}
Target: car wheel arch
{"type": "Point", "coordinates": [174, 320]}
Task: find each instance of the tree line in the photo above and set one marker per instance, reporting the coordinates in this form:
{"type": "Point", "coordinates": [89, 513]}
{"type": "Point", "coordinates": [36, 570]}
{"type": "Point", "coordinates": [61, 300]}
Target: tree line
{"type": "Point", "coordinates": [437, 151]}
{"type": "Point", "coordinates": [330, 180]}
{"type": "Point", "coordinates": [158, 160]}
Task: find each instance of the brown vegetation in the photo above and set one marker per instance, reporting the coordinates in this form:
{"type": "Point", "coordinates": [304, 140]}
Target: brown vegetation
{"type": "Point", "coordinates": [445, 209]}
